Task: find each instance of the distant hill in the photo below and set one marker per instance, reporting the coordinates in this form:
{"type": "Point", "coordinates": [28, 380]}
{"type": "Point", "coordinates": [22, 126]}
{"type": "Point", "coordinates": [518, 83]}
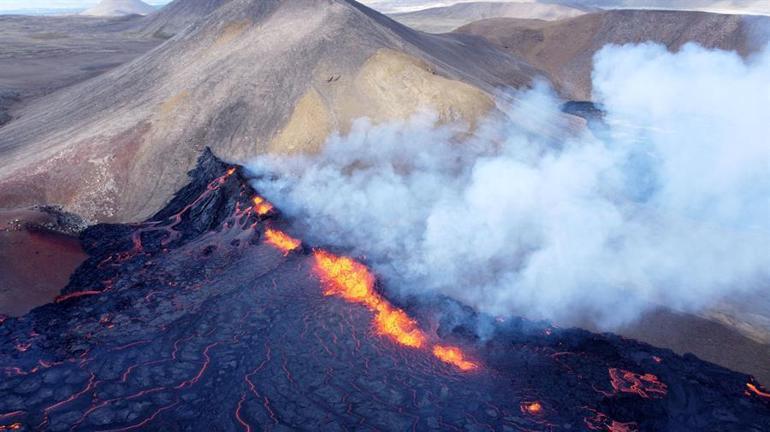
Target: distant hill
{"type": "Point", "coordinates": [564, 49]}
{"type": "Point", "coordinates": [119, 8]}
{"type": "Point", "coordinates": [743, 7]}
{"type": "Point", "coordinates": [444, 19]}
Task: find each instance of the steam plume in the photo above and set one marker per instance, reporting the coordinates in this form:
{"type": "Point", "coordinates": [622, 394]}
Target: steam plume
{"type": "Point", "coordinates": [669, 204]}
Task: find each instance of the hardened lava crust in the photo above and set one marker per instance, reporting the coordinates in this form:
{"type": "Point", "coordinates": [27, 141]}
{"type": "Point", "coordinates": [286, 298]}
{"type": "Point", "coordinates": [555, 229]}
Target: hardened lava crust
{"type": "Point", "coordinates": [211, 316]}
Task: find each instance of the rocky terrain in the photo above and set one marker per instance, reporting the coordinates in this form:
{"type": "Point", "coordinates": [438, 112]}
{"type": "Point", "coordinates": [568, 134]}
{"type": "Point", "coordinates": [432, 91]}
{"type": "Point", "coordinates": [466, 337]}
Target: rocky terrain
{"type": "Point", "coordinates": [564, 49]}
{"type": "Point", "coordinates": [199, 318]}
{"type": "Point", "coordinates": [117, 146]}
{"type": "Point", "coordinates": [39, 55]}
{"type": "Point", "coordinates": [139, 340]}
{"type": "Point", "coordinates": [177, 16]}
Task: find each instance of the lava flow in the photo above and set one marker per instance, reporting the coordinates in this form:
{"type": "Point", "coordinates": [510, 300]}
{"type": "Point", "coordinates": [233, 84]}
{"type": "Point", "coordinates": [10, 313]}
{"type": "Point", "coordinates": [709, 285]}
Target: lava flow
{"type": "Point", "coordinates": [199, 327]}
{"type": "Point", "coordinates": [261, 206]}
{"type": "Point", "coordinates": [753, 389]}
{"type": "Point", "coordinates": [281, 241]}
{"type": "Point", "coordinates": [645, 386]}
{"type": "Point", "coordinates": [354, 282]}
{"type": "Point", "coordinates": [454, 356]}
{"type": "Point", "coordinates": [351, 280]}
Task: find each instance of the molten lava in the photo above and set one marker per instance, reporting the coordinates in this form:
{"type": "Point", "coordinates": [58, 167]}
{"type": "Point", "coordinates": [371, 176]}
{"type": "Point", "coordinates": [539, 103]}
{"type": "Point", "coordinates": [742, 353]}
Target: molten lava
{"type": "Point", "coordinates": [351, 280]}
{"type": "Point", "coordinates": [453, 356]}
{"type": "Point", "coordinates": [753, 389]}
{"type": "Point", "coordinates": [645, 386]}
{"type": "Point", "coordinates": [10, 427]}
{"type": "Point", "coordinates": [281, 241]}
{"type": "Point", "coordinates": [346, 278]}
{"type": "Point", "coordinates": [261, 206]}
{"type": "Point", "coordinates": [533, 408]}
{"type": "Point", "coordinates": [397, 324]}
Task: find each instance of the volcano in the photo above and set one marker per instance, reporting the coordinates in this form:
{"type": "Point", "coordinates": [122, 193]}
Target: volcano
{"type": "Point", "coordinates": [213, 315]}
{"type": "Point", "coordinates": [252, 77]}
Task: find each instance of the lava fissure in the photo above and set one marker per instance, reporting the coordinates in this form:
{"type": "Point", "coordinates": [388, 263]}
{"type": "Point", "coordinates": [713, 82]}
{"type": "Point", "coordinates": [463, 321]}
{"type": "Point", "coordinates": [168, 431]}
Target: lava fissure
{"type": "Point", "coordinates": [194, 316]}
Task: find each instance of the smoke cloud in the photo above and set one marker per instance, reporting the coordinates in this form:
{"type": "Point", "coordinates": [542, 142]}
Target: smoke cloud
{"type": "Point", "coordinates": [668, 203]}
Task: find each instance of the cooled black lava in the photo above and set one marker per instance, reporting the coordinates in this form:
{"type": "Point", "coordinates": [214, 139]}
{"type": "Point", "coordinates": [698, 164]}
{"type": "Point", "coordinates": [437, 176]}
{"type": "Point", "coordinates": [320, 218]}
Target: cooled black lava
{"type": "Point", "coordinates": [190, 321]}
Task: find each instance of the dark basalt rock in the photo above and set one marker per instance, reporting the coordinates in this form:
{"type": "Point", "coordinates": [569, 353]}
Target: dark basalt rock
{"type": "Point", "coordinates": [189, 321]}
{"type": "Point", "coordinates": [586, 109]}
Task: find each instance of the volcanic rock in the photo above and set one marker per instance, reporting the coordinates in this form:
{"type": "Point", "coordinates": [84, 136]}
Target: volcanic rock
{"type": "Point", "coordinates": [192, 321]}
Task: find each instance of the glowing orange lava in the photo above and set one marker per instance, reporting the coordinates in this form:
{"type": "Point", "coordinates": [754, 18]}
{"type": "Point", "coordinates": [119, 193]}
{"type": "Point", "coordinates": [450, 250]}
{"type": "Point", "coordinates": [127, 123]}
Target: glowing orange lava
{"type": "Point", "coordinates": [281, 241]}
{"type": "Point", "coordinates": [534, 408]}
{"type": "Point", "coordinates": [397, 324]}
{"type": "Point", "coordinates": [12, 426]}
{"type": "Point", "coordinates": [646, 385]}
{"type": "Point", "coordinates": [753, 389]}
{"type": "Point", "coordinates": [346, 278]}
{"type": "Point", "coordinates": [261, 206]}
{"type": "Point", "coordinates": [351, 280]}
{"type": "Point", "coordinates": [453, 356]}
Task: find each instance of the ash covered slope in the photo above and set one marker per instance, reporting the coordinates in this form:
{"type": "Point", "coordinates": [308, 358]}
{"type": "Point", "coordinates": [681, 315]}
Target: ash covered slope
{"type": "Point", "coordinates": [192, 320]}
{"type": "Point", "coordinates": [448, 18]}
{"type": "Point", "coordinates": [255, 76]}
{"type": "Point", "coordinates": [564, 49]}
{"type": "Point", "coordinates": [178, 15]}
{"type": "Point", "coordinates": [111, 8]}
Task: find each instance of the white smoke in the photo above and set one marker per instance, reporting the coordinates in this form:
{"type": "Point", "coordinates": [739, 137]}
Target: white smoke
{"type": "Point", "coordinates": [669, 205]}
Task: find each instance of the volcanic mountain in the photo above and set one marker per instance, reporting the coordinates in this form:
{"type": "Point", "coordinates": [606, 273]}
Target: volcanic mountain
{"type": "Point", "coordinates": [253, 77]}
{"type": "Point", "coordinates": [178, 15]}
{"type": "Point", "coordinates": [108, 8]}
{"type": "Point", "coordinates": [565, 48]}
{"type": "Point", "coordinates": [211, 316]}
{"type": "Point", "coordinates": [447, 18]}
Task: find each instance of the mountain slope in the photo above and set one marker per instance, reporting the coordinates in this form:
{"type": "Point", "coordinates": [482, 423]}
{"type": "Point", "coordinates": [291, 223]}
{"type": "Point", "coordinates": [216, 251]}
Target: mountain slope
{"type": "Point", "coordinates": [565, 48]}
{"type": "Point", "coordinates": [256, 76]}
{"type": "Point", "coordinates": [108, 8]}
{"type": "Point", "coordinates": [178, 15]}
{"type": "Point", "coordinates": [444, 19]}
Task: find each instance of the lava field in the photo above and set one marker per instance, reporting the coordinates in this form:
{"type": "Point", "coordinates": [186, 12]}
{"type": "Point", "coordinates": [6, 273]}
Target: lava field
{"type": "Point", "coordinates": [211, 316]}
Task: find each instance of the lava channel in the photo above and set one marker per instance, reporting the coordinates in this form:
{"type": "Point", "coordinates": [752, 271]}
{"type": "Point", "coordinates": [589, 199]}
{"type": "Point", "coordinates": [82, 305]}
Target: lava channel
{"type": "Point", "coordinates": [351, 280]}
{"type": "Point", "coordinates": [281, 241]}
{"type": "Point", "coordinates": [261, 205]}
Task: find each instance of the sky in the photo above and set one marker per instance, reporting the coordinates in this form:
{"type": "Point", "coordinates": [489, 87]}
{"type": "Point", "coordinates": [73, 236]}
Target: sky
{"type": "Point", "coordinates": [384, 5]}
{"type": "Point", "coordinates": [390, 6]}
{"type": "Point", "coordinates": [58, 4]}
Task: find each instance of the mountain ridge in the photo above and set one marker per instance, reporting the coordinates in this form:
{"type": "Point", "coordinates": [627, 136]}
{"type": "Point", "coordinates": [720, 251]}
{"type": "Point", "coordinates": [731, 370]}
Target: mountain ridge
{"type": "Point", "coordinates": [252, 77]}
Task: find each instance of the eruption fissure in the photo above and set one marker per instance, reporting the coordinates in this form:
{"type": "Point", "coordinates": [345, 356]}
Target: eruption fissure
{"type": "Point", "coordinates": [281, 241]}
{"type": "Point", "coordinates": [353, 281]}
{"type": "Point", "coordinates": [262, 206]}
